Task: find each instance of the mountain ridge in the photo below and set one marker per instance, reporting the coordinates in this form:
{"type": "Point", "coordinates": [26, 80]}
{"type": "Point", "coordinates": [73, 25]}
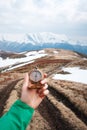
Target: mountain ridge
{"type": "Point", "coordinates": [37, 41]}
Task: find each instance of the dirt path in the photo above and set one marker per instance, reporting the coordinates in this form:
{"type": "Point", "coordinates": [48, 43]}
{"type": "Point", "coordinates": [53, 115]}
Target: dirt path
{"type": "Point", "coordinates": [5, 94]}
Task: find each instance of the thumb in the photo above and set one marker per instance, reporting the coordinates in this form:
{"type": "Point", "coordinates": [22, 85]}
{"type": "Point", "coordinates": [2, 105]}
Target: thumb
{"type": "Point", "coordinates": [26, 80]}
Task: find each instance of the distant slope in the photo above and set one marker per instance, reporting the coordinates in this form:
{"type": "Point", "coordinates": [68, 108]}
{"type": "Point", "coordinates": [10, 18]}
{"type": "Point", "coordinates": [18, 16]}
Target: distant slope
{"type": "Point", "coordinates": [6, 54]}
{"type": "Point", "coordinates": [9, 60]}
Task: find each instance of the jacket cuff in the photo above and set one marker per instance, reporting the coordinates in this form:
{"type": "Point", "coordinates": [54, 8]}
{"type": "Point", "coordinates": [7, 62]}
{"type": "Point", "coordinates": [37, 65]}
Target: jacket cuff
{"type": "Point", "coordinates": [23, 105]}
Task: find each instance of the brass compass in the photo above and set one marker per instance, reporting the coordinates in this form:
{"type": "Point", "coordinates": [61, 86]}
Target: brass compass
{"type": "Point", "coordinates": [35, 76]}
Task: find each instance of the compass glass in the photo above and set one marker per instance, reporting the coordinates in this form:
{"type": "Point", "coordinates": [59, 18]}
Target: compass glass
{"type": "Point", "coordinates": [35, 76]}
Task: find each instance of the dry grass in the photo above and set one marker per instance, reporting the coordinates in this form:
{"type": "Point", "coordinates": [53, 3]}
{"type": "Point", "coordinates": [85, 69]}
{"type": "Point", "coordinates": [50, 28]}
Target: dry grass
{"type": "Point", "coordinates": [75, 96]}
{"type": "Point", "coordinates": [67, 115]}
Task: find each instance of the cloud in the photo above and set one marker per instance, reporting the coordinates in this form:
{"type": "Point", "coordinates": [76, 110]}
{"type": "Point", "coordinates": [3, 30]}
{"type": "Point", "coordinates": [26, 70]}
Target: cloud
{"type": "Point", "coordinates": [22, 16]}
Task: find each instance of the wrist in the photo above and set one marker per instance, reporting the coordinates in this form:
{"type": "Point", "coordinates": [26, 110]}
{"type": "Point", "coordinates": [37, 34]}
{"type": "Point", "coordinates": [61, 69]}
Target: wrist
{"type": "Point", "coordinates": [26, 103]}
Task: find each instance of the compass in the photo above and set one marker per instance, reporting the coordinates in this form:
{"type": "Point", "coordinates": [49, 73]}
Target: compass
{"type": "Point", "coordinates": [35, 76]}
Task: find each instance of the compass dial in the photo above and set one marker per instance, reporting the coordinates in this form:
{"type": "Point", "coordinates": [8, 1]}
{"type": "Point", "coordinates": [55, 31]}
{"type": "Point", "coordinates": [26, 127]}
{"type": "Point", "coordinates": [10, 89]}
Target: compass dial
{"type": "Point", "coordinates": [35, 76]}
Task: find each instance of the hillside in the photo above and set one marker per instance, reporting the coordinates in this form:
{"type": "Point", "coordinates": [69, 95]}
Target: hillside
{"type": "Point", "coordinates": [65, 108]}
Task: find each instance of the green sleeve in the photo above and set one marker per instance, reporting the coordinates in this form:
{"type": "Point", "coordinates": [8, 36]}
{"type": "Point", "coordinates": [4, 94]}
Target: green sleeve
{"type": "Point", "coordinates": [17, 118]}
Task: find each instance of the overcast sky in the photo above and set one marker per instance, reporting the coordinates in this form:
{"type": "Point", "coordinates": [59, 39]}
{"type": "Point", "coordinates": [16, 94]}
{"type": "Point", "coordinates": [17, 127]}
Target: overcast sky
{"type": "Point", "coordinates": [67, 17]}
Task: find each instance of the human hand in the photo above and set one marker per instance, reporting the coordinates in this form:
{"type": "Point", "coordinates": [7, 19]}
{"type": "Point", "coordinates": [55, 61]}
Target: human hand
{"type": "Point", "coordinates": [33, 97]}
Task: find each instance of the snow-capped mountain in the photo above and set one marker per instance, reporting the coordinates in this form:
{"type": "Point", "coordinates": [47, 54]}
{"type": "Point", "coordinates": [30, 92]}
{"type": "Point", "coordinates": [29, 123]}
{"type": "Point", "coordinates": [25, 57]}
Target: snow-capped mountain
{"type": "Point", "coordinates": [34, 38]}
{"type": "Point", "coordinates": [36, 41]}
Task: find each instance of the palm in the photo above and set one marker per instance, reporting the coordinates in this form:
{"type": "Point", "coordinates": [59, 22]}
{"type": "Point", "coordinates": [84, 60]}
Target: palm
{"type": "Point", "coordinates": [30, 96]}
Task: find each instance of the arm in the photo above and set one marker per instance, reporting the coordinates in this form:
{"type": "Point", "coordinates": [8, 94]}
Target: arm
{"type": "Point", "coordinates": [21, 112]}
{"type": "Point", "coordinates": [18, 117]}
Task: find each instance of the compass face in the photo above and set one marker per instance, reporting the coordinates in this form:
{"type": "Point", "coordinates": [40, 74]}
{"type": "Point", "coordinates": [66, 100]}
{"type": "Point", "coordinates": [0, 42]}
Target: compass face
{"type": "Point", "coordinates": [35, 76]}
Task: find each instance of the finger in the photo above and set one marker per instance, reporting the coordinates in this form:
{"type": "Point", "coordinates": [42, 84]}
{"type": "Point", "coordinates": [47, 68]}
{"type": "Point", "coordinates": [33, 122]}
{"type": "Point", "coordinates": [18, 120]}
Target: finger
{"type": "Point", "coordinates": [39, 91]}
{"type": "Point", "coordinates": [45, 87]}
{"type": "Point", "coordinates": [26, 80]}
{"type": "Point", "coordinates": [45, 93]}
{"type": "Point", "coordinates": [45, 75]}
{"type": "Point", "coordinates": [43, 81]}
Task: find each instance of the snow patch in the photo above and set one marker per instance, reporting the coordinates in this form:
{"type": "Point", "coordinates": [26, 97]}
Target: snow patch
{"type": "Point", "coordinates": [55, 52]}
{"type": "Point", "coordinates": [1, 59]}
{"type": "Point", "coordinates": [41, 51]}
{"type": "Point", "coordinates": [31, 53]}
{"type": "Point", "coordinates": [30, 56]}
{"type": "Point", "coordinates": [20, 65]}
{"type": "Point", "coordinates": [76, 75]}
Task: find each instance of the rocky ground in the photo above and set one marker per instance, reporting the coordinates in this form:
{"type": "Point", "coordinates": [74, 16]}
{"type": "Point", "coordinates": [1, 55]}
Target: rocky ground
{"type": "Point", "coordinates": [65, 108]}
